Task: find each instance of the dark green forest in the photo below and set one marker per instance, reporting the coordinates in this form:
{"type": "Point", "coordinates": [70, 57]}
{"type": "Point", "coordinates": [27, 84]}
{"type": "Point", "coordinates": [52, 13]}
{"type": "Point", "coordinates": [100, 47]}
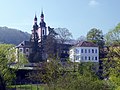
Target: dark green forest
{"type": "Point", "coordinates": [12, 36]}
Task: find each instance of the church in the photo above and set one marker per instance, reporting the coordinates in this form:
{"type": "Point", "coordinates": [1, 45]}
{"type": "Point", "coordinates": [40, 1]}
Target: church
{"type": "Point", "coordinates": [42, 44]}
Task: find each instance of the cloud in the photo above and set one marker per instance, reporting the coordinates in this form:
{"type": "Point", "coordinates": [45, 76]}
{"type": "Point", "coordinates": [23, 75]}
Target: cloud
{"type": "Point", "coordinates": [93, 3]}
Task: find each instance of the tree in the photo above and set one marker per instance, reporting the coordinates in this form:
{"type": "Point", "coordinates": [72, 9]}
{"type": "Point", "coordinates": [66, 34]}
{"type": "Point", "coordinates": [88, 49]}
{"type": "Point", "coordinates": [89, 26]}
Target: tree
{"type": "Point", "coordinates": [48, 73]}
{"type": "Point", "coordinates": [7, 56]}
{"type": "Point", "coordinates": [96, 36]}
{"type": "Point", "coordinates": [51, 43]}
{"type": "Point", "coordinates": [63, 35]}
{"type": "Point", "coordinates": [81, 38]}
{"type": "Point", "coordinates": [8, 64]}
{"type": "Point", "coordinates": [113, 36]}
{"type": "Point", "coordinates": [112, 65]}
{"type": "Point", "coordinates": [58, 78]}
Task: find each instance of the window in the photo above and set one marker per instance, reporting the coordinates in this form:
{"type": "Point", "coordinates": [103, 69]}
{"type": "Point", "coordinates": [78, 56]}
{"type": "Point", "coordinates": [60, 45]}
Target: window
{"type": "Point", "coordinates": [92, 58]}
{"type": "Point", "coordinates": [77, 58]}
{"type": "Point", "coordinates": [20, 50]}
{"type": "Point", "coordinates": [85, 50]}
{"type": "Point", "coordinates": [89, 58]}
{"type": "Point", "coordinates": [43, 32]}
{"type": "Point", "coordinates": [95, 58]}
{"type": "Point", "coordinates": [92, 50]}
{"type": "Point", "coordinates": [85, 58]}
{"type": "Point", "coordinates": [77, 51]}
{"type": "Point", "coordinates": [82, 58]}
{"type": "Point", "coordinates": [81, 50]}
{"type": "Point", "coordinates": [95, 50]}
{"type": "Point", "coordinates": [27, 50]}
{"type": "Point", "coordinates": [88, 50]}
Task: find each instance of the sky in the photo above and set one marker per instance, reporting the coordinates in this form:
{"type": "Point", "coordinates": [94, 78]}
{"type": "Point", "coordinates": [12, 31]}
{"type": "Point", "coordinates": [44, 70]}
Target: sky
{"type": "Point", "coordinates": [78, 16]}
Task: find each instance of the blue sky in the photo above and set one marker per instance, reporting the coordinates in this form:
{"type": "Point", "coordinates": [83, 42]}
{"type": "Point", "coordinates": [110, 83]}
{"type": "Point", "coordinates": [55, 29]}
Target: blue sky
{"type": "Point", "coordinates": [79, 16]}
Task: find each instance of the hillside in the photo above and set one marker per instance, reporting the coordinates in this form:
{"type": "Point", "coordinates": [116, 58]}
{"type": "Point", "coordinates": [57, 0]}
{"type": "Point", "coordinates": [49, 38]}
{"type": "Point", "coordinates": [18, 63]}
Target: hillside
{"type": "Point", "coordinates": [12, 36]}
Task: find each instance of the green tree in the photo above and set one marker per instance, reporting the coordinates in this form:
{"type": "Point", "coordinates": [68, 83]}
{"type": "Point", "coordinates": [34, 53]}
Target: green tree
{"type": "Point", "coordinates": [113, 36]}
{"type": "Point", "coordinates": [112, 65]}
{"type": "Point", "coordinates": [58, 78]}
{"type": "Point", "coordinates": [48, 73]}
{"type": "Point", "coordinates": [96, 36]}
{"type": "Point", "coordinates": [7, 56]}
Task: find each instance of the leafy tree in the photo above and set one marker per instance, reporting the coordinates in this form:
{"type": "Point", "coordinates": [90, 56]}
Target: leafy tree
{"type": "Point", "coordinates": [58, 78]}
{"type": "Point", "coordinates": [7, 56]}
{"type": "Point", "coordinates": [96, 36]}
{"type": "Point", "coordinates": [48, 73]}
{"type": "Point", "coordinates": [9, 63]}
{"type": "Point", "coordinates": [112, 65]}
{"type": "Point", "coordinates": [113, 36]}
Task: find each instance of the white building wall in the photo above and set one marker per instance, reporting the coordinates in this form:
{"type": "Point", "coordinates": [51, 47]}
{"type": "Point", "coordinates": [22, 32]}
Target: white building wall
{"type": "Point", "coordinates": [71, 54]}
{"type": "Point", "coordinates": [84, 54]}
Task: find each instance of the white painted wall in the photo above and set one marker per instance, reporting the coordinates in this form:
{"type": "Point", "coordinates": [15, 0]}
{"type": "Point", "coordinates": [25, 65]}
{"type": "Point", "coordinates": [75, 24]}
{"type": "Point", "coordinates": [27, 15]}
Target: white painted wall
{"type": "Point", "coordinates": [87, 55]}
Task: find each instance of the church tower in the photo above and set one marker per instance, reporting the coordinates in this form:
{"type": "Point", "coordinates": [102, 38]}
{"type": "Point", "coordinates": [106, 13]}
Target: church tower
{"type": "Point", "coordinates": [34, 37]}
{"type": "Point", "coordinates": [42, 32]}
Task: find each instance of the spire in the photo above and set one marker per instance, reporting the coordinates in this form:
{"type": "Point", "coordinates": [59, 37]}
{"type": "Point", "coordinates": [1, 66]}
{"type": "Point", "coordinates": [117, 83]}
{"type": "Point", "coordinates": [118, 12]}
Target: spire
{"type": "Point", "coordinates": [35, 26]}
{"type": "Point", "coordinates": [42, 15]}
{"type": "Point", "coordinates": [42, 23]}
{"type": "Point", "coordinates": [35, 19]}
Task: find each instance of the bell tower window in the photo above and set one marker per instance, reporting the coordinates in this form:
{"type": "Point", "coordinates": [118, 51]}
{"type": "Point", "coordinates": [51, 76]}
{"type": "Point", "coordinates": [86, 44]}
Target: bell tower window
{"type": "Point", "coordinates": [43, 32]}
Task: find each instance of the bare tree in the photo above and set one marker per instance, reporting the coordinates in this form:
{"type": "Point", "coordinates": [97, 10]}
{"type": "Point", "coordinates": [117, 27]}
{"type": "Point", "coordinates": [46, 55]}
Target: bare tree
{"type": "Point", "coordinates": [63, 35]}
{"type": "Point", "coordinates": [81, 38]}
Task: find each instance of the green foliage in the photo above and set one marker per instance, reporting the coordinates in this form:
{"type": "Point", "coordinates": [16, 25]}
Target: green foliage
{"type": "Point", "coordinates": [111, 64]}
{"type": "Point", "coordinates": [112, 68]}
{"type": "Point", "coordinates": [84, 79]}
{"type": "Point", "coordinates": [7, 56]}
{"type": "Point", "coordinates": [49, 73]}
{"type": "Point", "coordinates": [12, 36]}
{"type": "Point", "coordinates": [96, 36]}
{"type": "Point", "coordinates": [113, 36]}
{"type": "Point", "coordinates": [57, 78]}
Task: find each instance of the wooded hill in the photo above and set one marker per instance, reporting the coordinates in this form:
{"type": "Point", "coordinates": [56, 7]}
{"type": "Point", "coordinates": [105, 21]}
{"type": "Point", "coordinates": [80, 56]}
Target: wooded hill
{"type": "Point", "coordinates": [12, 36]}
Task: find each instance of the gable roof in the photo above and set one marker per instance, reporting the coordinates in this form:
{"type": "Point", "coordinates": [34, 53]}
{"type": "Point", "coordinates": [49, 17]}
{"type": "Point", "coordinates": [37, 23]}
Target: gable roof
{"type": "Point", "coordinates": [86, 44]}
{"type": "Point", "coordinates": [26, 44]}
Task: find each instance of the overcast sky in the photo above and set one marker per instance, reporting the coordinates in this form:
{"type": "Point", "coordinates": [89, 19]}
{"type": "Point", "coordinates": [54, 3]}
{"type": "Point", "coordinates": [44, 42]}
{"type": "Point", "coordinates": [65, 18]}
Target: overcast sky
{"type": "Point", "coordinates": [79, 16]}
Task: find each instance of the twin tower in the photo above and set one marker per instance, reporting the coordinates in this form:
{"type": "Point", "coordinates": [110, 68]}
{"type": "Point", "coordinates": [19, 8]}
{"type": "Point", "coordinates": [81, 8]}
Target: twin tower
{"type": "Point", "coordinates": [39, 32]}
{"type": "Point", "coordinates": [38, 36]}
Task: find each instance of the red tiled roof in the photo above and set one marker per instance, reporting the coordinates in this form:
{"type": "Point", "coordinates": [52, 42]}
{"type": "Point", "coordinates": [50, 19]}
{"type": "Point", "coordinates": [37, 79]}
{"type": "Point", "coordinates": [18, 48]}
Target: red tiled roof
{"type": "Point", "coordinates": [86, 44]}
